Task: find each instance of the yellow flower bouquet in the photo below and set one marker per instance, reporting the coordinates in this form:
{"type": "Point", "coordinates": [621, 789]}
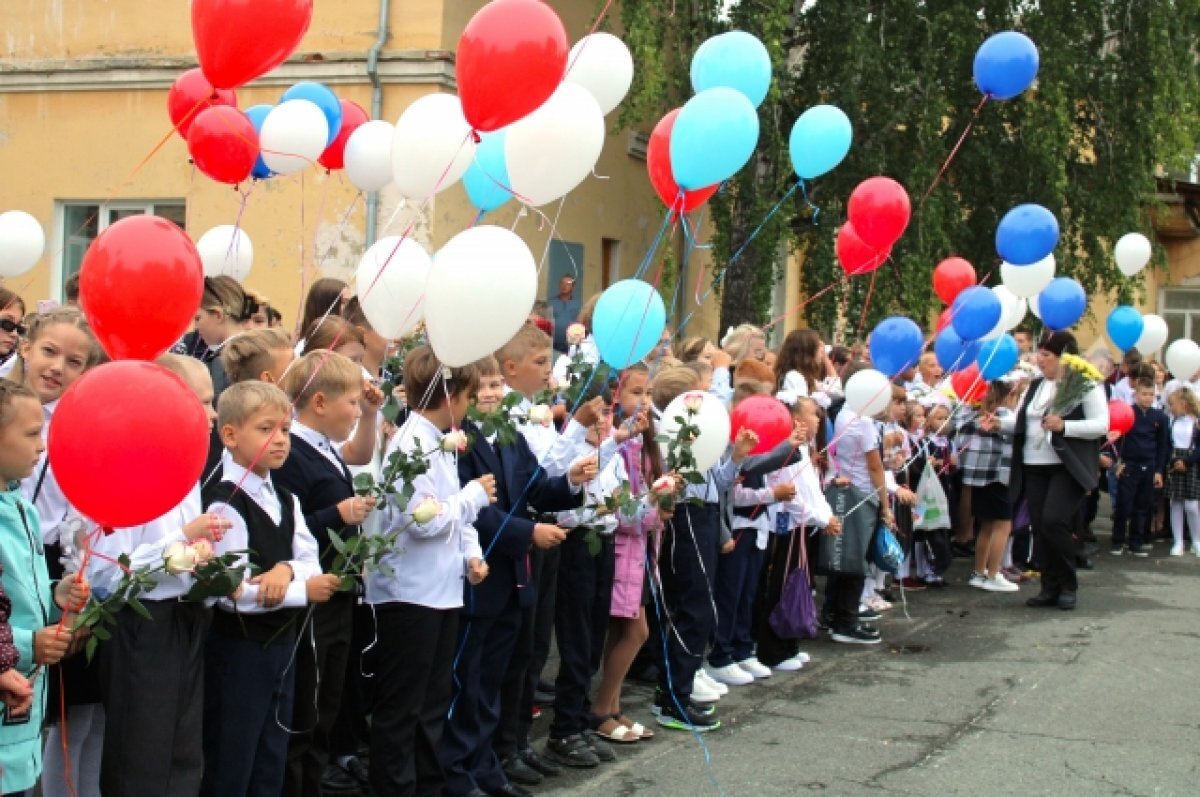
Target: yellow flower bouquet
{"type": "Point", "coordinates": [1076, 378]}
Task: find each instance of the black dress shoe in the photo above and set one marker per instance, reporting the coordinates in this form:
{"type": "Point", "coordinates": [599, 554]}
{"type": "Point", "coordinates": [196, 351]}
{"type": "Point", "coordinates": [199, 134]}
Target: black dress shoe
{"type": "Point", "coordinates": [1084, 563]}
{"type": "Point", "coordinates": [337, 781]}
{"type": "Point", "coordinates": [1066, 601]}
{"type": "Point", "coordinates": [520, 772]}
{"type": "Point", "coordinates": [1043, 600]}
{"type": "Point", "coordinates": [510, 790]}
{"type": "Point", "coordinates": [539, 762]}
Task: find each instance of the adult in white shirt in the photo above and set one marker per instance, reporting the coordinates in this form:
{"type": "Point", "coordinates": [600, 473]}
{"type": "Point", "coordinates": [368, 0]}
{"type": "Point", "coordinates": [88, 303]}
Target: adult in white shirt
{"type": "Point", "coordinates": [1055, 465]}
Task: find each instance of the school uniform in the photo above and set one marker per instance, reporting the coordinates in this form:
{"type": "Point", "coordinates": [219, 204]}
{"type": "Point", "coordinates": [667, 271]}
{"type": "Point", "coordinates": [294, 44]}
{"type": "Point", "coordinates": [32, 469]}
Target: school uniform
{"type": "Point", "coordinates": [417, 612]}
{"type": "Point", "coordinates": [248, 683]}
{"type": "Point", "coordinates": [1185, 447]}
{"type": "Point", "coordinates": [1142, 454]}
{"type": "Point", "coordinates": [738, 572]}
{"type": "Point", "coordinates": [152, 670]}
{"type": "Point", "coordinates": [856, 436]}
{"type": "Point", "coordinates": [315, 473]}
{"type": "Point", "coordinates": [495, 612]}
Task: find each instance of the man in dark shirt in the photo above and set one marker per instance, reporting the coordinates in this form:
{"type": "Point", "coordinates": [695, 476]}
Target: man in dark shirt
{"type": "Point", "coordinates": [566, 311]}
{"type": "Point", "coordinates": [1142, 460]}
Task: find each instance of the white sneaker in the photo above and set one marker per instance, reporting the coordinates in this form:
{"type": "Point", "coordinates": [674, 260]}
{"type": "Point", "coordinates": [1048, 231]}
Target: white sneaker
{"type": "Point", "coordinates": [754, 667]}
{"type": "Point", "coordinates": [713, 685]}
{"type": "Point", "coordinates": [1177, 549]}
{"type": "Point", "coordinates": [999, 584]}
{"type": "Point", "coordinates": [730, 674]}
{"type": "Point", "coordinates": [789, 665]}
{"type": "Point", "coordinates": [802, 657]}
{"type": "Point", "coordinates": [976, 580]}
{"type": "Point", "coordinates": [1196, 548]}
{"type": "Point", "coordinates": [702, 692]}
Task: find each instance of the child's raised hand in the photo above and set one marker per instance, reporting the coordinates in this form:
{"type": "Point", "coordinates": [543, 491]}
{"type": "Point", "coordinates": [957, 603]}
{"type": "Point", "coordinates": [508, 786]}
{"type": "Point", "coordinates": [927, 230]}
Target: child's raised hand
{"type": "Point", "coordinates": [744, 443]}
{"type": "Point", "coordinates": [584, 470]}
{"type": "Point", "coordinates": [799, 434]}
{"type": "Point", "coordinates": [372, 397]}
{"type": "Point", "coordinates": [588, 413]}
{"type": "Point", "coordinates": [477, 571]}
{"type": "Point", "coordinates": [72, 592]}
{"type": "Point", "coordinates": [488, 482]}
{"type": "Point", "coordinates": [208, 526]}
{"type": "Point", "coordinates": [272, 585]}
{"type": "Point", "coordinates": [321, 588]}
{"type": "Point", "coordinates": [50, 644]}
{"type": "Point", "coordinates": [355, 510]}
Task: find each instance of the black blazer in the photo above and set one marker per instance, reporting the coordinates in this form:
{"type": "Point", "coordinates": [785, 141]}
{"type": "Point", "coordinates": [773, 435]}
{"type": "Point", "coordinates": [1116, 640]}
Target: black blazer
{"type": "Point", "coordinates": [320, 486]}
{"type": "Point", "coordinates": [516, 471]}
{"type": "Point", "coordinates": [1080, 457]}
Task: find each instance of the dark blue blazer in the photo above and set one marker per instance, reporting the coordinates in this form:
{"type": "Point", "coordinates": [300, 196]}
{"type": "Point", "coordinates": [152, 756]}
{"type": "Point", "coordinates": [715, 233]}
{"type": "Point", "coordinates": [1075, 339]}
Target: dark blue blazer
{"type": "Point", "coordinates": [516, 471]}
{"type": "Point", "coordinates": [320, 486]}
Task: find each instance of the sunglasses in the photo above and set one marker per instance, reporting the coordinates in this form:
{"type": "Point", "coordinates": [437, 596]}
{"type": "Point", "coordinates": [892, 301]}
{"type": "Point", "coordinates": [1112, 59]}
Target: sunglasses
{"type": "Point", "coordinates": [8, 325]}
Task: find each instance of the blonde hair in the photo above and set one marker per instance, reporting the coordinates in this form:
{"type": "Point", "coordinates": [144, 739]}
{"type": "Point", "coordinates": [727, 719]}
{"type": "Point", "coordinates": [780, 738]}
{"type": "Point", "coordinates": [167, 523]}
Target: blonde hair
{"type": "Point", "coordinates": [186, 368]}
{"type": "Point", "coordinates": [10, 391]}
{"type": "Point", "coordinates": [247, 355]}
{"type": "Point", "coordinates": [320, 371]}
{"type": "Point", "coordinates": [689, 349]}
{"type": "Point", "coordinates": [238, 402]}
{"type": "Point", "coordinates": [1188, 398]}
{"type": "Point", "coordinates": [488, 366]}
{"type": "Point", "coordinates": [737, 341]}
{"type": "Point", "coordinates": [672, 383]}
{"type": "Point", "coordinates": [226, 294]}
{"type": "Point", "coordinates": [39, 323]}
{"type": "Point", "coordinates": [528, 339]}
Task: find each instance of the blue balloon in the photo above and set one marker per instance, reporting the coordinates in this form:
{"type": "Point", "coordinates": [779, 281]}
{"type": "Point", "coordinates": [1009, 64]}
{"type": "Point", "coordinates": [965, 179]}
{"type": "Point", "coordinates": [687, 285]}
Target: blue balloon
{"type": "Point", "coordinates": [735, 60]}
{"type": "Point", "coordinates": [998, 356]}
{"type": "Point", "coordinates": [256, 114]}
{"type": "Point", "coordinates": [321, 96]}
{"type": "Point", "coordinates": [975, 312]}
{"type": "Point", "coordinates": [628, 322]}
{"type": "Point", "coordinates": [953, 353]}
{"type": "Point", "coordinates": [896, 345]}
{"type": "Point", "coordinates": [486, 180]}
{"type": "Point", "coordinates": [1061, 303]}
{"type": "Point", "coordinates": [1125, 326]}
{"type": "Point", "coordinates": [714, 135]}
{"type": "Point", "coordinates": [820, 140]}
{"type": "Point", "coordinates": [1026, 234]}
{"type": "Point", "coordinates": [1005, 65]}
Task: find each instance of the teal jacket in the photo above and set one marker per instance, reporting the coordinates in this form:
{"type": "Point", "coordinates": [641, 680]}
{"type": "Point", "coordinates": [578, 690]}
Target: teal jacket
{"type": "Point", "coordinates": [27, 583]}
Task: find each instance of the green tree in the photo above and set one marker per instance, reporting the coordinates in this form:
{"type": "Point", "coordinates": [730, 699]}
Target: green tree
{"type": "Point", "coordinates": [1116, 100]}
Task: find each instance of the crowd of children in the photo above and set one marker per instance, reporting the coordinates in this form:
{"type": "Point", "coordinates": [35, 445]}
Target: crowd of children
{"type": "Point", "coordinates": [395, 565]}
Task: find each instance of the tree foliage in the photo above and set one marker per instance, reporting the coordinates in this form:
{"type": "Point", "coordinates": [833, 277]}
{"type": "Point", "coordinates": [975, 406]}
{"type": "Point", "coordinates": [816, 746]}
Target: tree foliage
{"type": "Point", "coordinates": [1117, 100]}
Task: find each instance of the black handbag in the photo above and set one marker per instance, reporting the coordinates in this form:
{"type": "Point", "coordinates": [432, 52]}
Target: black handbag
{"type": "Point", "coordinates": [846, 553]}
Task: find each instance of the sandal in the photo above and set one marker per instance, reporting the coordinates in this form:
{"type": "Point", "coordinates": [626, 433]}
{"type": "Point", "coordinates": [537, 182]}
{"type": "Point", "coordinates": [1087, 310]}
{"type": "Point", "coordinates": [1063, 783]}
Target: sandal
{"type": "Point", "coordinates": [612, 730]}
{"type": "Point", "coordinates": [642, 731]}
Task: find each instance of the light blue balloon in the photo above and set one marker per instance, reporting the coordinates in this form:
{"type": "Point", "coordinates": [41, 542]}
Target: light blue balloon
{"type": "Point", "coordinates": [1125, 326]}
{"type": "Point", "coordinates": [323, 97]}
{"type": "Point", "coordinates": [486, 180]}
{"type": "Point", "coordinates": [997, 357]}
{"type": "Point", "coordinates": [1061, 303]}
{"type": "Point", "coordinates": [628, 322]}
{"type": "Point", "coordinates": [714, 136]}
{"type": "Point", "coordinates": [735, 60]}
{"type": "Point", "coordinates": [820, 140]}
{"type": "Point", "coordinates": [257, 114]}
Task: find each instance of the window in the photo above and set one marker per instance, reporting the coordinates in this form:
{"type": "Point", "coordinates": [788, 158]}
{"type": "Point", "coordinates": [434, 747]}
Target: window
{"type": "Point", "coordinates": [81, 222]}
{"type": "Point", "coordinates": [1180, 308]}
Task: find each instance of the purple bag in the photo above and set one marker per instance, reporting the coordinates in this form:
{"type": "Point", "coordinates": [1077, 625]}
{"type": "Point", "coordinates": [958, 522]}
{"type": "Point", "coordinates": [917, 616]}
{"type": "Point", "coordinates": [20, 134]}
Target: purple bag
{"type": "Point", "coordinates": [795, 616]}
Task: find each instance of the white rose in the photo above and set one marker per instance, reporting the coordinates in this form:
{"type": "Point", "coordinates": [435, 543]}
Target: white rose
{"type": "Point", "coordinates": [426, 511]}
{"type": "Point", "coordinates": [541, 415]}
{"type": "Point", "coordinates": [575, 334]}
{"type": "Point", "coordinates": [179, 558]}
{"type": "Point", "coordinates": [203, 550]}
{"type": "Point", "coordinates": [455, 441]}
{"type": "Point", "coordinates": [693, 402]}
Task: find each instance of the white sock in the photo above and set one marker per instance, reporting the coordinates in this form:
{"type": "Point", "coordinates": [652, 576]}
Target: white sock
{"type": "Point", "coordinates": [1177, 522]}
{"type": "Point", "coordinates": [1192, 508]}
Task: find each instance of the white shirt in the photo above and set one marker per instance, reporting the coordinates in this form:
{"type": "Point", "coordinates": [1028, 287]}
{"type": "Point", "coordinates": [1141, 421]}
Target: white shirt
{"type": "Point", "coordinates": [429, 559]}
{"type": "Point", "coordinates": [855, 436]}
{"type": "Point", "coordinates": [589, 352]}
{"type": "Point", "coordinates": [319, 442]}
{"type": "Point", "coordinates": [145, 545]}
{"type": "Point", "coordinates": [556, 452]}
{"type": "Point", "coordinates": [824, 392]}
{"type": "Point", "coordinates": [1182, 429]}
{"type": "Point", "coordinates": [1037, 450]}
{"type": "Point", "coordinates": [1123, 390]}
{"type": "Point", "coordinates": [808, 507]}
{"type": "Point", "coordinates": [52, 506]}
{"type": "Point", "coordinates": [305, 563]}
{"type": "Point", "coordinates": [608, 480]}
{"type": "Point", "coordinates": [763, 498]}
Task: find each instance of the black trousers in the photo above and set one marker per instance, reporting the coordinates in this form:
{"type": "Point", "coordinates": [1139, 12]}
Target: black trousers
{"type": "Point", "coordinates": [351, 731]}
{"type": "Point", "coordinates": [416, 652]}
{"type": "Point", "coordinates": [1135, 504]}
{"type": "Point", "coordinates": [1055, 501]}
{"type": "Point", "coordinates": [937, 546]}
{"type": "Point", "coordinates": [152, 683]}
{"type": "Point", "coordinates": [485, 646]}
{"type": "Point", "coordinates": [583, 603]}
{"type": "Point", "coordinates": [516, 692]}
{"type": "Point", "coordinates": [842, 595]}
{"type": "Point", "coordinates": [545, 563]}
{"type": "Point", "coordinates": [772, 649]}
{"type": "Point", "coordinates": [321, 663]}
{"type": "Point", "coordinates": [688, 566]}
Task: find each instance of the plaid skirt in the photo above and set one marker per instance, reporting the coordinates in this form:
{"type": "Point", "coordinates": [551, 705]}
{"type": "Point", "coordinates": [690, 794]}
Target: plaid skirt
{"type": "Point", "coordinates": [1182, 486]}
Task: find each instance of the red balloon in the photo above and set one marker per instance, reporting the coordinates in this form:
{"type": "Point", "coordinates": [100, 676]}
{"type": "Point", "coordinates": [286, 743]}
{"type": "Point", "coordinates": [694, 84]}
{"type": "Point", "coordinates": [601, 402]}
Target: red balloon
{"type": "Point", "coordinates": [944, 319]}
{"type": "Point", "coordinates": [951, 277]}
{"type": "Point", "coordinates": [658, 165]}
{"type": "Point", "coordinates": [968, 384]}
{"type": "Point", "coordinates": [855, 256]}
{"type": "Point", "coordinates": [766, 416]}
{"type": "Point", "coordinates": [511, 57]}
{"type": "Point", "coordinates": [879, 209]}
{"type": "Point", "coordinates": [190, 94]}
{"type": "Point", "coordinates": [239, 40]}
{"type": "Point", "coordinates": [120, 460]}
{"type": "Point", "coordinates": [353, 117]}
{"type": "Point", "coordinates": [1120, 417]}
{"type": "Point", "coordinates": [223, 144]}
{"type": "Point", "coordinates": [140, 286]}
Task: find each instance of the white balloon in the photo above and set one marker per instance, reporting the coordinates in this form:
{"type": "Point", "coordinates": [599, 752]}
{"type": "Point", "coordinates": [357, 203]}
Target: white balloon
{"type": "Point", "coordinates": [601, 63]}
{"type": "Point", "coordinates": [1012, 312]}
{"type": "Point", "coordinates": [293, 136]}
{"type": "Point", "coordinates": [22, 242]}
{"type": "Point", "coordinates": [1033, 307]}
{"type": "Point", "coordinates": [368, 158]}
{"type": "Point", "coordinates": [393, 301]}
{"type": "Point", "coordinates": [481, 289]}
{"type": "Point", "coordinates": [226, 250]}
{"type": "Point", "coordinates": [712, 419]}
{"type": "Point", "coordinates": [1132, 253]}
{"type": "Point", "coordinates": [553, 149]}
{"type": "Point", "coordinates": [433, 146]}
{"type": "Point", "coordinates": [1154, 334]}
{"type": "Point", "coordinates": [868, 393]}
{"type": "Point", "coordinates": [1026, 281]}
{"type": "Point", "coordinates": [1183, 358]}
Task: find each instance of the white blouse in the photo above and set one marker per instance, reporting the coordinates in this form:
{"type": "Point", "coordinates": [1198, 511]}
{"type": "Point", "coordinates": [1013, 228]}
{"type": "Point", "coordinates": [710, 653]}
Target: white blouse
{"type": "Point", "coordinates": [1037, 450]}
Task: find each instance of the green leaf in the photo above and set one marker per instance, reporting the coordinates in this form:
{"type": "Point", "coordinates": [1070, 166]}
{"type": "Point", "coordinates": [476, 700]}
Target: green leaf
{"type": "Point", "coordinates": [347, 583]}
{"type": "Point", "coordinates": [336, 541]}
{"type": "Point", "coordinates": [89, 647]}
{"type": "Point", "coordinates": [101, 633]}
{"type": "Point", "coordinates": [138, 607]}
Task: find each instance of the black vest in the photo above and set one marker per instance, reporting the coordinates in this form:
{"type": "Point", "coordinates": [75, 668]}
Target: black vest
{"type": "Point", "coordinates": [1080, 457]}
{"type": "Point", "coordinates": [268, 545]}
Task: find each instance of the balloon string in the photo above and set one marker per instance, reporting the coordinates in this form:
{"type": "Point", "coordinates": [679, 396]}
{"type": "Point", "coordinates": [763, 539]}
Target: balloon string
{"type": "Point", "coordinates": [953, 152]}
{"type": "Point", "coordinates": [816, 211]}
{"type": "Point", "coordinates": [644, 266]}
{"type": "Point", "coordinates": [862, 321]}
{"type": "Point", "coordinates": [595, 27]}
{"type": "Point", "coordinates": [782, 316]}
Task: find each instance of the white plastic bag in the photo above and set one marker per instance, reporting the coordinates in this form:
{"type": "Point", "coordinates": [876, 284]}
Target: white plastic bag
{"type": "Point", "coordinates": [932, 509]}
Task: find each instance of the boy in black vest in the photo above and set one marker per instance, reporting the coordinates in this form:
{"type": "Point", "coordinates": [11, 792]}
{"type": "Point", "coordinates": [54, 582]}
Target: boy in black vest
{"type": "Point", "coordinates": [1141, 462]}
{"type": "Point", "coordinates": [330, 397]}
{"type": "Point", "coordinates": [248, 684]}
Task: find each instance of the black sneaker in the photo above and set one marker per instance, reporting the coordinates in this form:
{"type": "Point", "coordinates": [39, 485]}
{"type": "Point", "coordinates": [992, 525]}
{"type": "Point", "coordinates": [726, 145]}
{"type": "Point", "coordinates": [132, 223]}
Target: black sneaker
{"type": "Point", "coordinates": [519, 772]}
{"type": "Point", "coordinates": [703, 709]}
{"type": "Point", "coordinates": [572, 751]}
{"type": "Point", "coordinates": [662, 700]}
{"type": "Point", "coordinates": [676, 720]}
{"type": "Point", "coordinates": [858, 635]}
{"type": "Point", "coordinates": [825, 620]}
{"type": "Point", "coordinates": [337, 781]}
{"type": "Point", "coordinates": [867, 614]}
{"type": "Point", "coordinates": [601, 748]}
{"type": "Point", "coordinates": [1141, 551]}
{"type": "Point", "coordinates": [539, 762]}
